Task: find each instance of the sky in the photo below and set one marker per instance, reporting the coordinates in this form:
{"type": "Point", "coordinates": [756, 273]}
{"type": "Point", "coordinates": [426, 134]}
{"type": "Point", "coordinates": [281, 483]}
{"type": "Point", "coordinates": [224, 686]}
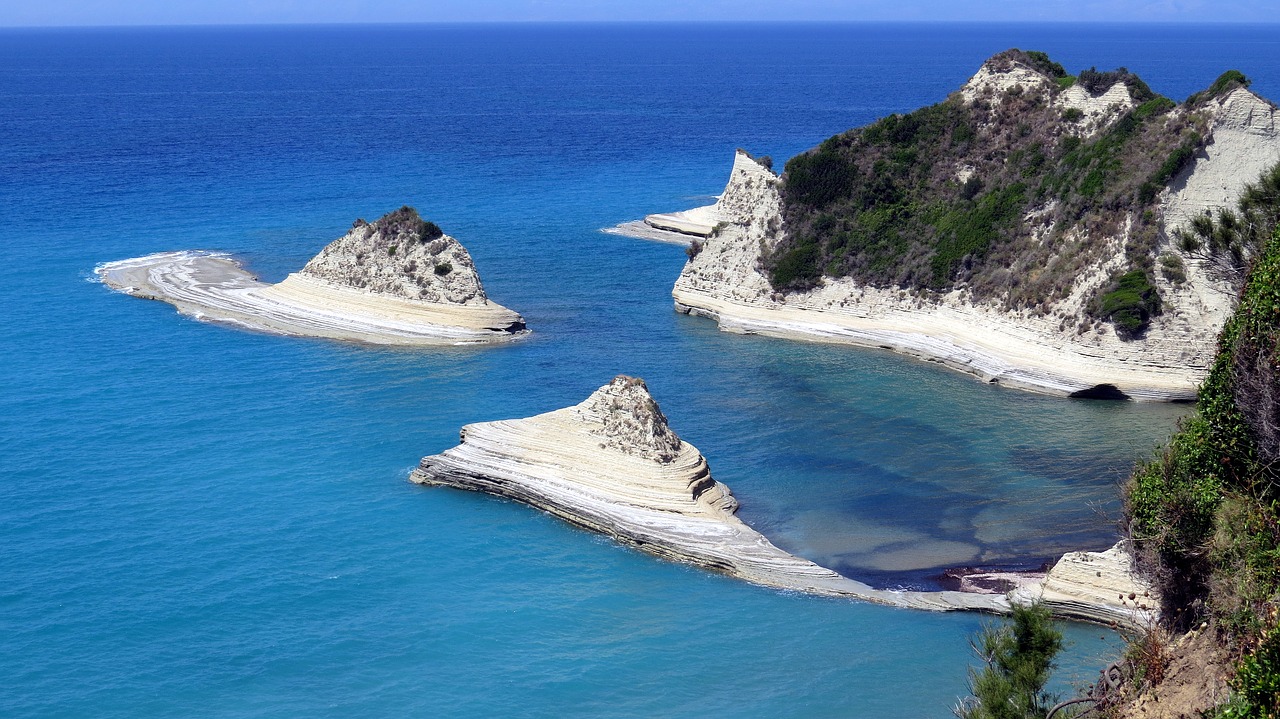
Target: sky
{"type": "Point", "coordinates": [201, 12]}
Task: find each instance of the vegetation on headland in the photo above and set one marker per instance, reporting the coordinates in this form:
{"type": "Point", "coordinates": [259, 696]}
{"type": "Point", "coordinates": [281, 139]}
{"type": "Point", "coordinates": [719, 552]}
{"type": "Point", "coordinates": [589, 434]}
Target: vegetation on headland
{"type": "Point", "coordinates": [1008, 197]}
{"type": "Point", "coordinates": [1205, 514]}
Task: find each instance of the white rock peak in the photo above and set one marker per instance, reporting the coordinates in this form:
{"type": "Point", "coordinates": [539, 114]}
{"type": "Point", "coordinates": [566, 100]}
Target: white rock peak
{"type": "Point", "coordinates": [628, 419]}
{"type": "Point", "coordinates": [403, 256]}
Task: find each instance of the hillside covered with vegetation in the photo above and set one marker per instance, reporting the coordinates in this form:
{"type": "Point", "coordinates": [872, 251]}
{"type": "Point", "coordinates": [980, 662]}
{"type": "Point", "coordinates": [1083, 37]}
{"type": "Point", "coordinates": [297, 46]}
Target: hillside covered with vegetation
{"type": "Point", "coordinates": [1010, 194]}
{"type": "Point", "coordinates": [1205, 515]}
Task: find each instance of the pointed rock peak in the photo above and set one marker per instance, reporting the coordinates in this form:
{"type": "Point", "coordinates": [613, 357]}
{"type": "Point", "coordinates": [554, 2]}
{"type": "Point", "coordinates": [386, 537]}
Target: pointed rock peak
{"type": "Point", "coordinates": [1026, 71]}
{"type": "Point", "coordinates": [628, 419]}
{"type": "Point", "coordinates": [744, 160]}
{"type": "Point", "coordinates": [402, 255]}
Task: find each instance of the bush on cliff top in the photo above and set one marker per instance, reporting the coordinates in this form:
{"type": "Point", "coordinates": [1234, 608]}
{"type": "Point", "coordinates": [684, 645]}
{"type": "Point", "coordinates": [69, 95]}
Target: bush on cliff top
{"type": "Point", "coordinates": [407, 221]}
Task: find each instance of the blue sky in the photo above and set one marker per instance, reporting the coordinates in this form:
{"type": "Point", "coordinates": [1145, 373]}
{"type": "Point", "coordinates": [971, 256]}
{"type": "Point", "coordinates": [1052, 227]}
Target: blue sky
{"type": "Point", "coordinates": [185, 12]}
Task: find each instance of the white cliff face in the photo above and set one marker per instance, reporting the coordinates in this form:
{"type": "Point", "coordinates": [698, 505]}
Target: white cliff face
{"type": "Point", "coordinates": [424, 292]}
{"type": "Point", "coordinates": [1043, 353]}
{"type": "Point", "coordinates": [1096, 111]}
{"type": "Point", "coordinates": [1245, 142]}
{"type": "Point", "coordinates": [992, 81]}
{"type": "Point", "coordinates": [729, 263]}
{"type": "Point", "coordinates": [611, 464]}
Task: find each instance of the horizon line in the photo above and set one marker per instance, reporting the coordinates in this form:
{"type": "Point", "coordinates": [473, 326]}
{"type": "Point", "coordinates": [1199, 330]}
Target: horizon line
{"type": "Point", "coordinates": [390, 23]}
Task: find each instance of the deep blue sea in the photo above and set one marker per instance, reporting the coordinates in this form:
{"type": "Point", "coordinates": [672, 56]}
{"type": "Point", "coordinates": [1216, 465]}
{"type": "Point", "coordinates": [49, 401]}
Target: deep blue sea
{"type": "Point", "coordinates": [201, 521]}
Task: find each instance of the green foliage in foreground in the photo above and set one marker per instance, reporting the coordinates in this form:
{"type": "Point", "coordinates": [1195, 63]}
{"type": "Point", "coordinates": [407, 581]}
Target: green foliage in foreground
{"type": "Point", "coordinates": [1018, 657]}
{"type": "Point", "coordinates": [1206, 512]}
{"type": "Point", "coordinates": [1228, 449]}
{"type": "Point", "coordinates": [1257, 682]}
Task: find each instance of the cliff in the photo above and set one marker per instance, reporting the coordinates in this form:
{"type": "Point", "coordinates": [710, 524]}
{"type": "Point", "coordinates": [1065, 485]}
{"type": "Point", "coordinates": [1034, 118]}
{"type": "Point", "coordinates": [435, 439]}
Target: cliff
{"type": "Point", "coordinates": [1024, 231]}
{"type": "Point", "coordinates": [398, 280]}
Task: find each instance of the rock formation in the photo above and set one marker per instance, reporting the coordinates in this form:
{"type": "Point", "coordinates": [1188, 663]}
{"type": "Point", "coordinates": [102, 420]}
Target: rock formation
{"type": "Point", "coordinates": [1099, 586]}
{"type": "Point", "coordinates": [613, 465]}
{"type": "Point", "coordinates": [398, 280]}
{"type": "Point", "coordinates": [1053, 346]}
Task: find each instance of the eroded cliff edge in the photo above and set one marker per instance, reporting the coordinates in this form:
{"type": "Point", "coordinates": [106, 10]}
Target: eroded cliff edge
{"type": "Point", "coordinates": [1028, 301]}
{"type": "Point", "coordinates": [613, 465]}
{"type": "Point", "coordinates": [398, 280]}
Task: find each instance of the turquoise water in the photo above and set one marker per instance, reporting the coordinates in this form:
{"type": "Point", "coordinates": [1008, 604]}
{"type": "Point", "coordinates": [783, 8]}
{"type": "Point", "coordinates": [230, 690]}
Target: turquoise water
{"type": "Point", "coordinates": [201, 521]}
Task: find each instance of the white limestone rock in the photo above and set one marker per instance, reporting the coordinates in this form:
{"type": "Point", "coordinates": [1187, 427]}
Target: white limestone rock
{"type": "Point", "coordinates": [1245, 142]}
{"type": "Point", "coordinates": [402, 256]}
{"type": "Point", "coordinates": [1104, 587]}
{"type": "Point", "coordinates": [396, 281]}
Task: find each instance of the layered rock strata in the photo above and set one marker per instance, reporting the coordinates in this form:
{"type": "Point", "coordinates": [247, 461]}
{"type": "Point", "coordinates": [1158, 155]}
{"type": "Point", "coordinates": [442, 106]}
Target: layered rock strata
{"type": "Point", "coordinates": [613, 465]}
{"type": "Point", "coordinates": [396, 281]}
{"type": "Point", "coordinates": [1098, 586]}
{"type": "Point", "coordinates": [1053, 350]}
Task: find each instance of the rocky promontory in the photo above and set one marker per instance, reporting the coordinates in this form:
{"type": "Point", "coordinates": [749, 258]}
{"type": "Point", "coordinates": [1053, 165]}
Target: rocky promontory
{"type": "Point", "coordinates": [398, 280]}
{"type": "Point", "coordinates": [613, 465]}
{"type": "Point", "coordinates": [1035, 229]}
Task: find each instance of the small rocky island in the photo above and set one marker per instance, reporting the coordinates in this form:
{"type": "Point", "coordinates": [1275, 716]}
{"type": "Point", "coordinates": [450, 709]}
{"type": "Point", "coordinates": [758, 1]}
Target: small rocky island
{"type": "Point", "coordinates": [398, 281]}
{"type": "Point", "coordinates": [1058, 233]}
{"type": "Point", "coordinates": [613, 465]}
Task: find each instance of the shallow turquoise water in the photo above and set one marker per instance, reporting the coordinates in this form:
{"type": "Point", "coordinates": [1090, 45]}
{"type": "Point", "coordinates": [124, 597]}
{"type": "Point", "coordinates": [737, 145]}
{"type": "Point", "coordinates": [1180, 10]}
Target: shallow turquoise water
{"type": "Point", "coordinates": [203, 521]}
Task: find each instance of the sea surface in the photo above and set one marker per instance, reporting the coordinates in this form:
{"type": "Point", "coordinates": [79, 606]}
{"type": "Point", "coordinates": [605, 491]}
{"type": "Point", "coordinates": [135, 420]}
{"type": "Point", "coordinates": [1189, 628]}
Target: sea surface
{"type": "Point", "coordinates": [201, 521]}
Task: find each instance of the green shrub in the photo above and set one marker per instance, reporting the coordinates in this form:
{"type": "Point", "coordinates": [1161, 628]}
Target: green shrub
{"type": "Point", "coordinates": [1041, 62]}
{"type": "Point", "coordinates": [1154, 107]}
{"type": "Point", "coordinates": [429, 231]}
{"type": "Point", "coordinates": [797, 268]}
{"type": "Point", "coordinates": [817, 179]}
{"type": "Point", "coordinates": [1226, 82]}
{"type": "Point", "coordinates": [391, 250]}
{"type": "Point", "coordinates": [1066, 81]}
{"type": "Point", "coordinates": [1257, 681]}
{"type": "Point", "coordinates": [1130, 303]}
{"type": "Point", "coordinates": [443, 268]}
{"type": "Point", "coordinates": [693, 249]}
{"type": "Point", "coordinates": [1173, 269]}
{"type": "Point", "coordinates": [1018, 657]}
{"type": "Point", "coordinates": [1071, 114]}
{"type": "Point", "coordinates": [968, 231]}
